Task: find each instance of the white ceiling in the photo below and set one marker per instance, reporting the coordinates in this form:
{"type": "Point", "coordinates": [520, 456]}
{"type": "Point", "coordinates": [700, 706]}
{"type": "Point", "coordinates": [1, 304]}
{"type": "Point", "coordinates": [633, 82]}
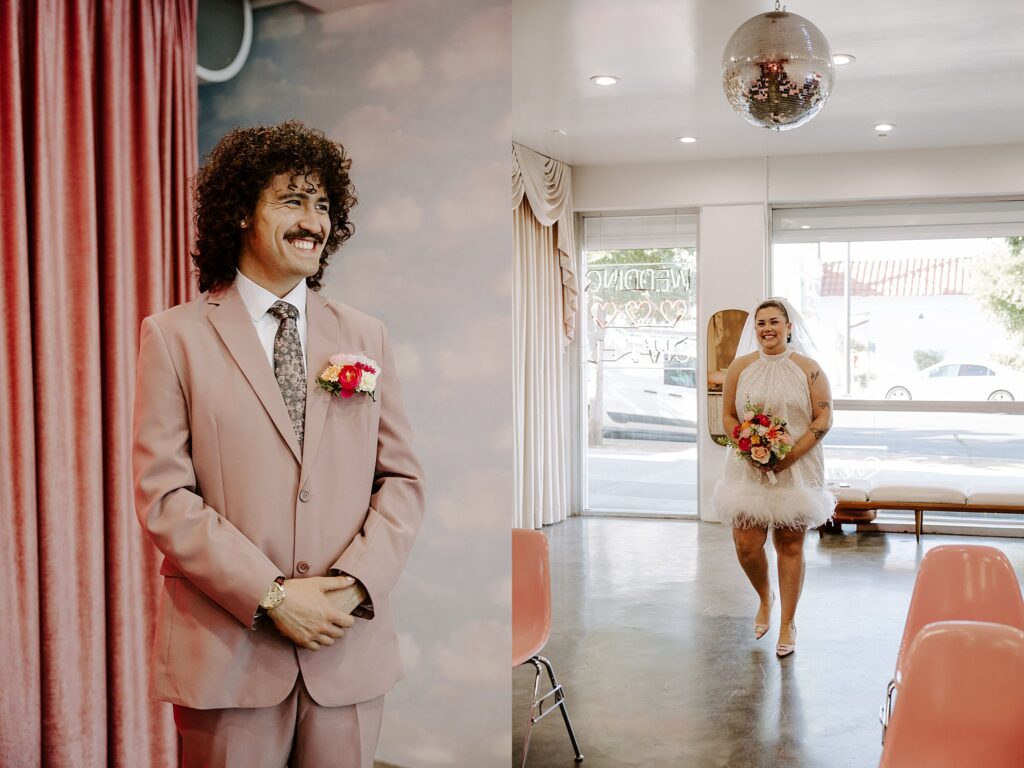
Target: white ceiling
{"type": "Point", "coordinates": [945, 72]}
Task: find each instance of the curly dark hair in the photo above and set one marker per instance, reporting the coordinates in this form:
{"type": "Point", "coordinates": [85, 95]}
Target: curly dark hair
{"type": "Point", "coordinates": [236, 172]}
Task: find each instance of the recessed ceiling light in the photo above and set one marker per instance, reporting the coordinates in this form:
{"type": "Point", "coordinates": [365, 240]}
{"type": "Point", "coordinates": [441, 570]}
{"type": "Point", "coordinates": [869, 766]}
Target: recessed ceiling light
{"type": "Point", "coordinates": [604, 80]}
{"type": "Point", "coordinates": [884, 128]}
{"type": "Point", "coordinates": [805, 226]}
{"type": "Point", "coordinates": [687, 139]}
{"type": "Point", "coordinates": [842, 59]}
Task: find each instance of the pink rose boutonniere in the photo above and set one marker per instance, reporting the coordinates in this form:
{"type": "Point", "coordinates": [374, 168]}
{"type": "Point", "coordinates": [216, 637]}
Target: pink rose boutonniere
{"type": "Point", "coordinates": [345, 375]}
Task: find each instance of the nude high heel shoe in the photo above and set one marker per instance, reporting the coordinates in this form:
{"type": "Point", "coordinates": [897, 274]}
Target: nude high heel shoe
{"type": "Point", "coordinates": [785, 649]}
{"type": "Point", "coordinates": [760, 630]}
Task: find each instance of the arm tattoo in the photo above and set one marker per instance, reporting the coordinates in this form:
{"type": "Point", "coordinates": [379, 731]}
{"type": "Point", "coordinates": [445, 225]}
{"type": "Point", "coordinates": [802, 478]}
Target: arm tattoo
{"type": "Point", "coordinates": [824, 404]}
{"type": "Point", "coordinates": [818, 432]}
{"type": "Point", "coordinates": [813, 375]}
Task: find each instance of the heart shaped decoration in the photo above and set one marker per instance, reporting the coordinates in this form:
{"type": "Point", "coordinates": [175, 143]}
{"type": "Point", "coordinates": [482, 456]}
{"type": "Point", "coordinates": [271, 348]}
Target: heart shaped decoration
{"type": "Point", "coordinates": [673, 310]}
{"type": "Point", "coordinates": [640, 312]}
{"type": "Point", "coordinates": [603, 312]}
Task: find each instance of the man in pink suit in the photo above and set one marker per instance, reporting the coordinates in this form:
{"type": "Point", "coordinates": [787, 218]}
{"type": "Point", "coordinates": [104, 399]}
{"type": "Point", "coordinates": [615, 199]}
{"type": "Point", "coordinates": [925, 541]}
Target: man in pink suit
{"type": "Point", "coordinates": [274, 470]}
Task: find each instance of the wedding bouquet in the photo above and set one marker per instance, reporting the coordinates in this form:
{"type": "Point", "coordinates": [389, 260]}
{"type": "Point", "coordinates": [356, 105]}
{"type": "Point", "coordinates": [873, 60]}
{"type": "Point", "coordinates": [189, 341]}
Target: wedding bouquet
{"type": "Point", "coordinates": [761, 438]}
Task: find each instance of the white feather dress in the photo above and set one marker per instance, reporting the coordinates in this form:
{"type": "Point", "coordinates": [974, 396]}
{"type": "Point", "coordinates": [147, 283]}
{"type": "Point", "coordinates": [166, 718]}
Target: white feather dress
{"type": "Point", "coordinates": [744, 497]}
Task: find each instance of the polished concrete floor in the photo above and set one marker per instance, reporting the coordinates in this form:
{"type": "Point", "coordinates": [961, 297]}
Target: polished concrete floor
{"type": "Point", "coordinates": [653, 640]}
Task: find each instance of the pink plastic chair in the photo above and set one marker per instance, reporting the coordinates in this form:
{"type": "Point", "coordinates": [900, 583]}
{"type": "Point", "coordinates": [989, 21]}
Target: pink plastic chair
{"type": "Point", "coordinates": [531, 625]}
{"type": "Point", "coordinates": [957, 582]}
{"type": "Point", "coordinates": [961, 699]}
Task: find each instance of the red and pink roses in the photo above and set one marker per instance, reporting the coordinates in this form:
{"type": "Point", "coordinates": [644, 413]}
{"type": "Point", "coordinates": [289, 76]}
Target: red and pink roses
{"type": "Point", "coordinates": [761, 438]}
{"type": "Point", "coordinates": [345, 375]}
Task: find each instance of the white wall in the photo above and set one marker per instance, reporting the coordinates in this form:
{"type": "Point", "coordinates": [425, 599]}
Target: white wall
{"type": "Point", "coordinates": [731, 196]}
{"type": "Point", "coordinates": [952, 172]}
{"type": "Point", "coordinates": [669, 185]}
{"type": "Point", "coordinates": [730, 274]}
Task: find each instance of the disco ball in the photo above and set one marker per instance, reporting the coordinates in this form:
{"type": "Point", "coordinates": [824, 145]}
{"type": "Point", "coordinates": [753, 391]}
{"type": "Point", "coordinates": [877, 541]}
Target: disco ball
{"type": "Point", "coordinates": [777, 70]}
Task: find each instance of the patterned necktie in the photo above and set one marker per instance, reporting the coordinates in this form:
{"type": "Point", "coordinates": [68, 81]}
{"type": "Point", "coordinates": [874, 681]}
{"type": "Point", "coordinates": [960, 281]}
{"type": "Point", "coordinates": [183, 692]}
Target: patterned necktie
{"type": "Point", "coordinates": [288, 367]}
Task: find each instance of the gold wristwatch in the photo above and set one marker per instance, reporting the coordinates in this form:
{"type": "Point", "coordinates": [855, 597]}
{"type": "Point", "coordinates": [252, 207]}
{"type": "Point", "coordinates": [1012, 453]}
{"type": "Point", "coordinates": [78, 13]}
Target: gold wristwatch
{"type": "Point", "coordinates": [274, 595]}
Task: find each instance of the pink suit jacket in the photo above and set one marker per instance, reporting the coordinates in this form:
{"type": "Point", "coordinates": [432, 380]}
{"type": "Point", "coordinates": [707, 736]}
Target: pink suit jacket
{"type": "Point", "coordinates": [225, 494]}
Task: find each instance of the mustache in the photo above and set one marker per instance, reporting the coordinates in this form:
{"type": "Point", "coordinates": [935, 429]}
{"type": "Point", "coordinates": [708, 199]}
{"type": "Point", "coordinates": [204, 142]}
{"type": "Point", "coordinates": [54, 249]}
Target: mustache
{"type": "Point", "coordinates": [304, 234]}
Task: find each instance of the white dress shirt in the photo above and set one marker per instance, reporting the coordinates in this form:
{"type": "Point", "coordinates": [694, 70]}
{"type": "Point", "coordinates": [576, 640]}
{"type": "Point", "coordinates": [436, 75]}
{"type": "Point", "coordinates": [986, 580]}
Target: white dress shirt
{"type": "Point", "coordinates": [258, 300]}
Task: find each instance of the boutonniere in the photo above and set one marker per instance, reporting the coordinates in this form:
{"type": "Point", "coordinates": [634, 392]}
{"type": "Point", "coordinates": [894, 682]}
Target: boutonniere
{"type": "Point", "coordinates": [345, 375]}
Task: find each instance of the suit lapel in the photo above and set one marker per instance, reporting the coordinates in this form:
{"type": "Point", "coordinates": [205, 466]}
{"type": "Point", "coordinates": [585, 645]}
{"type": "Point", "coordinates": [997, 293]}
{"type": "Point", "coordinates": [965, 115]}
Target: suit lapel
{"type": "Point", "coordinates": [231, 320]}
{"type": "Point", "coordinates": [321, 342]}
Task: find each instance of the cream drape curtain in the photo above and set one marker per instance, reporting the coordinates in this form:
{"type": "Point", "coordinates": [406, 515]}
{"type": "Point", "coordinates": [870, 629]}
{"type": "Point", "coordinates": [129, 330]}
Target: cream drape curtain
{"type": "Point", "coordinates": [545, 298]}
{"type": "Point", "coordinates": [547, 185]}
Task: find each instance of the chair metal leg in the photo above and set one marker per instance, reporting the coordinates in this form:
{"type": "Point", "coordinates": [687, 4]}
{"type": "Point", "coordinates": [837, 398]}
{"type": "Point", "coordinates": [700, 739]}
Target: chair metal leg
{"type": "Point", "coordinates": [533, 708]}
{"type": "Point", "coordinates": [537, 711]}
{"type": "Point", "coordinates": [886, 711]}
{"type": "Point", "coordinates": [560, 698]}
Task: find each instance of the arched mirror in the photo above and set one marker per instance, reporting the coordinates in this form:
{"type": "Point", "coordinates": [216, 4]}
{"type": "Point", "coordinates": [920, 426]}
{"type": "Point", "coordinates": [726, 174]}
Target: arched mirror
{"type": "Point", "coordinates": [223, 39]}
{"type": "Point", "coordinates": [724, 330]}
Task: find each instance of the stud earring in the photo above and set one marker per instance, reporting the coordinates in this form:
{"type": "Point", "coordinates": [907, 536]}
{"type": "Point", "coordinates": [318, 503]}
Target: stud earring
{"type": "Point", "coordinates": [243, 224]}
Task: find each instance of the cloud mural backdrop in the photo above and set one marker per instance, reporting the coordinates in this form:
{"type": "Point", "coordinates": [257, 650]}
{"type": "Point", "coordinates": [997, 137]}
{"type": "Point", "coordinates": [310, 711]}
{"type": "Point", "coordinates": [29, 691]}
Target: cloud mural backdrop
{"type": "Point", "coordinates": [417, 92]}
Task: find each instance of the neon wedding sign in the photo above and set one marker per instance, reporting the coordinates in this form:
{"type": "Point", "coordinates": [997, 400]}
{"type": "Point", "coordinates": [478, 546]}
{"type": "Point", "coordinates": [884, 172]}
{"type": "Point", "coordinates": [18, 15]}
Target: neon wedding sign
{"type": "Point", "coordinates": [642, 312]}
{"type": "Point", "coordinates": [661, 278]}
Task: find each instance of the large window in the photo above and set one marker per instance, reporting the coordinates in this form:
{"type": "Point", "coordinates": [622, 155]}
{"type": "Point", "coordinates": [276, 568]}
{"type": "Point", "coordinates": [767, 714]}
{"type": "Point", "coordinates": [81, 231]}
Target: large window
{"type": "Point", "coordinates": [909, 302]}
{"type": "Point", "coordinates": [639, 364]}
{"type": "Point", "coordinates": [918, 314]}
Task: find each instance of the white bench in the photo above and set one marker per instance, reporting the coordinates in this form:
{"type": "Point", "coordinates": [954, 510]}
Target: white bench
{"type": "Point", "coordinates": [859, 499]}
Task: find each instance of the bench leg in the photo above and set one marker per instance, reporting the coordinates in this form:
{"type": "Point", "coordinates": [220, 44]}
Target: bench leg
{"type": "Point", "coordinates": [830, 526]}
{"type": "Point", "coordinates": [918, 523]}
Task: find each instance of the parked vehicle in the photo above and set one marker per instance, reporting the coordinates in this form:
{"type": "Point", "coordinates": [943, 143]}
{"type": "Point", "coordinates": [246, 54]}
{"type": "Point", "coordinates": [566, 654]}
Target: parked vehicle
{"type": "Point", "coordinates": [650, 403]}
{"type": "Point", "coordinates": [959, 381]}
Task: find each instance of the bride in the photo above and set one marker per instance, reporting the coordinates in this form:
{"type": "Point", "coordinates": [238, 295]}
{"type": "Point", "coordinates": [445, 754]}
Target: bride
{"type": "Point", "coordinates": [774, 369]}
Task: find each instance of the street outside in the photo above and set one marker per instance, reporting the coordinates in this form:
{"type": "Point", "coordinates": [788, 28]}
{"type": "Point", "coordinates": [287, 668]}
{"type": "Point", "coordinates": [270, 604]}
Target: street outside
{"type": "Point", "coordinates": [660, 477]}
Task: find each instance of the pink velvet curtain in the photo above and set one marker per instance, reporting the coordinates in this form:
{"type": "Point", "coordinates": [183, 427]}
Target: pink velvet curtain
{"type": "Point", "coordinates": [97, 146]}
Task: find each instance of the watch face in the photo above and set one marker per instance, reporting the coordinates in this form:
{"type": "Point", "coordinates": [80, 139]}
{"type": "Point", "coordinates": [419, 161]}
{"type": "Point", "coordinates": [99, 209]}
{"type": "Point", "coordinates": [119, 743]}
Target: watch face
{"type": "Point", "coordinates": [273, 597]}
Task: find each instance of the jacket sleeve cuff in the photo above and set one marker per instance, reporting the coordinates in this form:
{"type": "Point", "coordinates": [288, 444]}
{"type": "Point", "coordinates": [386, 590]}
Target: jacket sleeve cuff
{"type": "Point", "coordinates": [365, 609]}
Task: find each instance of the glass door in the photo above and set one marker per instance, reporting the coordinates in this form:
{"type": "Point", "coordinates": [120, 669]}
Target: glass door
{"type": "Point", "coordinates": [639, 364]}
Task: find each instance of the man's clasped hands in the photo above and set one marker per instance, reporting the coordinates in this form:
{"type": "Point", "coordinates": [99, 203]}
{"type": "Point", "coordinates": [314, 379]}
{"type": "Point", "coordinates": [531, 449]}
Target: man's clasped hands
{"type": "Point", "coordinates": [316, 611]}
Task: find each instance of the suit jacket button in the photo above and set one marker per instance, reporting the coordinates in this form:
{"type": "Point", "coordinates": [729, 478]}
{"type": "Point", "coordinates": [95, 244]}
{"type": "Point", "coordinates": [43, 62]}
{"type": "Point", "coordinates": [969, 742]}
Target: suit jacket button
{"type": "Point", "coordinates": [304, 495]}
{"type": "Point", "coordinates": [302, 567]}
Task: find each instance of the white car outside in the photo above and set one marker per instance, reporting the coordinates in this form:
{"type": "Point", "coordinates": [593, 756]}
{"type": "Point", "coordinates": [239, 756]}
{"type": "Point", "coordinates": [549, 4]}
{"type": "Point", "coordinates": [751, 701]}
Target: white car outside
{"type": "Point", "coordinates": [649, 403]}
{"type": "Point", "coordinates": [959, 381]}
